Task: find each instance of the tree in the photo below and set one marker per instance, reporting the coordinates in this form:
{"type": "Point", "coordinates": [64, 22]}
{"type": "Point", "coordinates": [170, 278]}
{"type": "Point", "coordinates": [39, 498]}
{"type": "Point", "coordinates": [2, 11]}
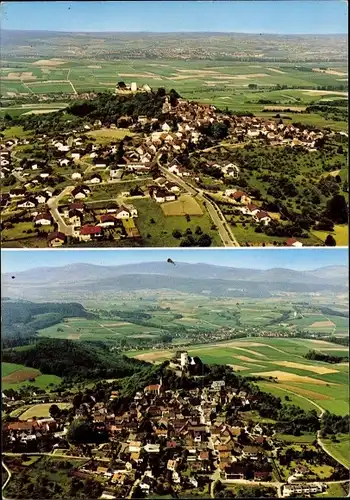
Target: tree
{"type": "Point", "coordinates": [176, 233]}
{"type": "Point", "coordinates": [54, 411]}
{"type": "Point", "coordinates": [337, 209]}
{"type": "Point", "coordinates": [330, 241]}
{"type": "Point", "coordinates": [204, 240]}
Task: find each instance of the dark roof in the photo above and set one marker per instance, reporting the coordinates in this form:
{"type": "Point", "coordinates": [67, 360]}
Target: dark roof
{"type": "Point", "coordinates": [74, 213]}
{"type": "Point", "coordinates": [43, 216]}
{"type": "Point", "coordinates": [77, 205]}
{"type": "Point", "coordinates": [56, 234]}
{"type": "Point", "coordinates": [32, 200]}
{"type": "Point", "coordinates": [163, 193]}
{"type": "Point", "coordinates": [18, 191]}
{"type": "Point", "coordinates": [107, 218]}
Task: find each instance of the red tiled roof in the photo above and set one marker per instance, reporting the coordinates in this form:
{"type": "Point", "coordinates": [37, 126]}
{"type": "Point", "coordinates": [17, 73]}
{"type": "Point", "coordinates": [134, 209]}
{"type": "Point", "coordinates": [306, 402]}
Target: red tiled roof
{"type": "Point", "coordinates": [90, 230]}
{"type": "Point", "coordinates": [262, 214]}
{"type": "Point", "coordinates": [238, 194]}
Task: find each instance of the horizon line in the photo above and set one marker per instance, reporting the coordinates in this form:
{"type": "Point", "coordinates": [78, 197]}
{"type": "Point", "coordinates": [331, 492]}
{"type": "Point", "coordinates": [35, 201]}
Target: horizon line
{"type": "Point", "coordinates": [179, 32]}
{"type": "Point", "coordinates": [177, 261]}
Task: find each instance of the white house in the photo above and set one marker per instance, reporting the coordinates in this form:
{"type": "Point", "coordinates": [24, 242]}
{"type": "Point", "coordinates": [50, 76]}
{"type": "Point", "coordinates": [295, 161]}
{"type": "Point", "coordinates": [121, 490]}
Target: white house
{"type": "Point", "coordinates": [262, 216]}
{"type": "Point", "coordinates": [96, 179]}
{"type": "Point", "coordinates": [27, 204]}
{"type": "Point", "coordinates": [63, 148]}
{"type": "Point", "coordinates": [64, 162]}
{"type": "Point", "coordinates": [40, 198]}
{"type": "Point", "coordinates": [161, 195]}
{"type": "Point", "coordinates": [152, 448]}
{"type": "Point", "coordinates": [122, 213]}
{"type": "Point", "coordinates": [134, 446]}
{"type": "Point", "coordinates": [75, 156]}
{"type": "Point", "coordinates": [132, 210]}
{"type": "Point", "coordinates": [166, 127]}
{"type": "Point", "coordinates": [76, 176]}
{"type": "Point", "coordinates": [43, 219]}
{"type": "Point", "coordinates": [230, 170]}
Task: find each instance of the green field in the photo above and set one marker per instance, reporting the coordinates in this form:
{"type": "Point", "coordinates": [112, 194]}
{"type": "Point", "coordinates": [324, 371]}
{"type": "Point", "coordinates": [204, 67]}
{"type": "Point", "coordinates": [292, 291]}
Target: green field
{"type": "Point", "coordinates": [18, 376]}
{"type": "Point", "coordinates": [106, 135]}
{"type": "Point", "coordinates": [41, 410]}
{"type": "Point", "coordinates": [159, 232]}
{"type": "Point", "coordinates": [224, 85]}
{"type": "Point", "coordinates": [340, 234]}
{"type": "Point", "coordinates": [340, 450]}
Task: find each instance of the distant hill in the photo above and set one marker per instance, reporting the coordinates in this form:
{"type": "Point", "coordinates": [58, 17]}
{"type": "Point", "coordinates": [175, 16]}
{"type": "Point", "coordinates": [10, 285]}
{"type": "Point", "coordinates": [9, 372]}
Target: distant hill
{"type": "Point", "coordinates": [73, 360]}
{"type": "Point", "coordinates": [73, 280]}
{"type": "Point", "coordinates": [23, 318]}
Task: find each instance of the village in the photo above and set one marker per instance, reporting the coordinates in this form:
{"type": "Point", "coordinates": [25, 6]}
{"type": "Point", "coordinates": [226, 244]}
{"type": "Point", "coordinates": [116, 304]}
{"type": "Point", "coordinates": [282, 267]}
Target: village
{"type": "Point", "coordinates": [171, 441]}
{"type": "Point", "coordinates": [73, 188]}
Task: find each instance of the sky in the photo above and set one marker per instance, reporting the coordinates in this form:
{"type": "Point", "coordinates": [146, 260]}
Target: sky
{"type": "Point", "coordinates": [264, 258]}
{"type": "Point", "coordinates": [284, 17]}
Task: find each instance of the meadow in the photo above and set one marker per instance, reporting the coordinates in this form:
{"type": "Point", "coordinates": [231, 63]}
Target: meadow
{"type": "Point", "coordinates": [156, 228]}
{"type": "Point", "coordinates": [41, 410]}
{"type": "Point", "coordinates": [14, 376]}
{"type": "Point", "coordinates": [339, 449]}
{"type": "Point", "coordinates": [237, 86]}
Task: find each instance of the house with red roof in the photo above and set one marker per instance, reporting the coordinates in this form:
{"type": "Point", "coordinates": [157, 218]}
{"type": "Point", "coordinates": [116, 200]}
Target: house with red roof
{"type": "Point", "coordinates": [89, 232]}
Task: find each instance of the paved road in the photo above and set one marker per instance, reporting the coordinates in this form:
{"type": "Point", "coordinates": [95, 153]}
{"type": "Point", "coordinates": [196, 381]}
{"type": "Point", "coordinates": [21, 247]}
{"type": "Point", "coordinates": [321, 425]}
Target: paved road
{"type": "Point", "coordinates": [215, 213]}
{"type": "Point", "coordinates": [8, 477]}
{"type": "Point", "coordinates": [52, 203]}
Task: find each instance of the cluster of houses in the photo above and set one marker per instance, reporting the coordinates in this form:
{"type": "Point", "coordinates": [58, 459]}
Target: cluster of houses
{"type": "Point", "coordinates": [168, 136]}
{"type": "Point", "coordinates": [118, 218]}
{"type": "Point", "coordinates": [245, 205]}
{"type": "Point", "coordinates": [182, 437]}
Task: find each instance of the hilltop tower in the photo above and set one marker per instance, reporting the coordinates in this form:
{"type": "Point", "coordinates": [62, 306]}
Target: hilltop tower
{"type": "Point", "coordinates": [184, 359]}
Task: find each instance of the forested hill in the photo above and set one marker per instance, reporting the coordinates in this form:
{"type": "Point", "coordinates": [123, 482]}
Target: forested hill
{"type": "Point", "coordinates": [73, 360]}
{"type": "Point", "coordinates": [23, 318]}
{"type": "Point", "coordinates": [105, 106]}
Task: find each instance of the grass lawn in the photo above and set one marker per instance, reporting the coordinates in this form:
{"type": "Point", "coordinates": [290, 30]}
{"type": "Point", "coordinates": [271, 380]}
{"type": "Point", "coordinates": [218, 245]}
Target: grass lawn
{"type": "Point", "coordinates": [160, 231]}
{"type": "Point", "coordinates": [246, 234]}
{"type": "Point", "coordinates": [335, 490]}
{"type": "Point", "coordinates": [16, 132]}
{"type": "Point", "coordinates": [105, 135]}
{"type": "Point", "coordinates": [289, 438]}
{"type": "Point", "coordinates": [19, 231]}
{"type": "Point", "coordinates": [16, 376]}
{"type": "Point", "coordinates": [184, 205]}
{"type": "Point", "coordinates": [41, 410]}
{"type": "Point", "coordinates": [293, 399]}
{"type": "Point", "coordinates": [340, 450]}
{"type": "Point", "coordinates": [340, 234]}
{"type": "Point", "coordinates": [8, 368]}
